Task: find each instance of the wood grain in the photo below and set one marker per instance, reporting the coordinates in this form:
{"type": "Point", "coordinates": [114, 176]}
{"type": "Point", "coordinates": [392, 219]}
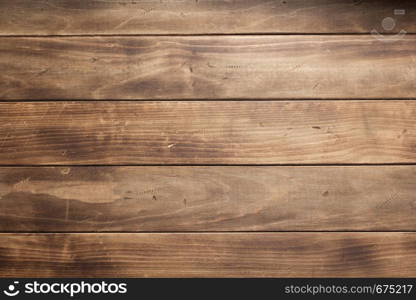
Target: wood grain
{"type": "Point", "coordinates": [69, 208]}
{"type": "Point", "coordinates": [83, 199]}
{"type": "Point", "coordinates": [53, 17]}
{"type": "Point", "coordinates": [209, 255]}
{"type": "Point", "coordinates": [207, 132]}
{"type": "Point", "coordinates": [207, 67]}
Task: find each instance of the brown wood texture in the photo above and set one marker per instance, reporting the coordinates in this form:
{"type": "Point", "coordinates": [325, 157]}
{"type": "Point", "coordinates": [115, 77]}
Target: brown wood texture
{"type": "Point", "coordinates": [207, 67]}
{"type": "Point", "coordinates": [60, 17]}
{"type": "Point", "coordinates": [208, 132]}
{"type": "Point", "coordinates": [170, 187]}
{"type": "Point", "coordinates": [82, 199]}
{"type": "Point", "coordinates": [209, 255]}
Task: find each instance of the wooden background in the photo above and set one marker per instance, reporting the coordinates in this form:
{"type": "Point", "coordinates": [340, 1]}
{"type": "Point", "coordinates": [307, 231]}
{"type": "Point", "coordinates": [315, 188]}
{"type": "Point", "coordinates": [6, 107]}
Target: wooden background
{"type": "Point", "coordinates": [210, 138]}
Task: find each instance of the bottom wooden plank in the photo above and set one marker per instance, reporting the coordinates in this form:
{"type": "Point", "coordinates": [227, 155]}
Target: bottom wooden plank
{"type": "Point", "coordinates": [208, 255]}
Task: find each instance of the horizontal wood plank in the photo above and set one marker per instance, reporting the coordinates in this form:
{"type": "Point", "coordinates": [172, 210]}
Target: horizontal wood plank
{"type": "Point", "coordinates": [62, 17]}
{"type": "Point", "coordinates": [135, 199]}
{"type": "Point", "coordinates": [207, 67]}
{"type": "Point", "coordinates": [209, 255]}
{"type": "Point", "coordinates": [207, 132]}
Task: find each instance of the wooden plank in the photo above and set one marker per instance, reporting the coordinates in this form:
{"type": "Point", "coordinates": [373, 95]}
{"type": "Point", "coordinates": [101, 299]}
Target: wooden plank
{"type": "Point", "coordinates": [136, 199]}
{"type": "Point", "coordinates": [207, 132]}
{"type": "Point", "coordinates": [55, 17]}
{"type": "Point", "coordinates": [207, 67]}
{"type": "Point", "coordinates": [209, 255]}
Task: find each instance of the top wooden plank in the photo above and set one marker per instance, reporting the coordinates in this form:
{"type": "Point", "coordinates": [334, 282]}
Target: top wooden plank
{"type": "Point", "coordinates": [70, 17]}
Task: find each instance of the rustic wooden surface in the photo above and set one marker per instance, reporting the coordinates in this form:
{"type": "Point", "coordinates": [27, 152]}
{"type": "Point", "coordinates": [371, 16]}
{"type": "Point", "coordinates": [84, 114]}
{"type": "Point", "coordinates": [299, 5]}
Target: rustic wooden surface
{"type": "Point", "coordinates": [207, 67]}
{"type": "Point", "coordinates": [53, 17]}
{"type": "Point", "coordinates": [303, 166]}
{"type": "Point", "coordinates": [208, 132]}
{"type": "Point", "coordinates": [209, 255]}
{"type": "Point", "coordinates": [84, 199]}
